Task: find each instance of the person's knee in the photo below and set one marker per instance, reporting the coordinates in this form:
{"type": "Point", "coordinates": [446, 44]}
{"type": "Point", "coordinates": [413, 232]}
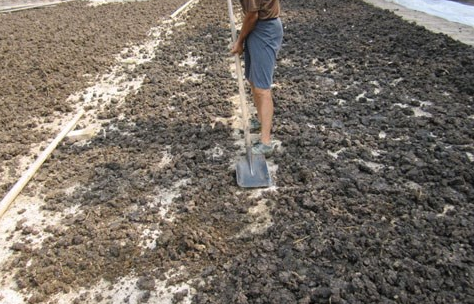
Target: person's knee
{"type": "Point", "coordinates": [262, 93]}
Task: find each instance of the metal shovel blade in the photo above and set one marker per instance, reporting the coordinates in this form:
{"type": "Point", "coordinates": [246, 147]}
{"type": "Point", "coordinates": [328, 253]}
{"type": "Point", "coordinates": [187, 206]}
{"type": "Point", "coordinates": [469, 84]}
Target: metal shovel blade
{"type": "Point", "coordinates": [252, 172]}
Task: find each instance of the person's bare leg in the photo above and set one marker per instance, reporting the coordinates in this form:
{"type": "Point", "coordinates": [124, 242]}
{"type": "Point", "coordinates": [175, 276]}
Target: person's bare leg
{"type": "Point", "coordinates": [252, 87]}
{"type": "Point", "coordinates": [264, 103]}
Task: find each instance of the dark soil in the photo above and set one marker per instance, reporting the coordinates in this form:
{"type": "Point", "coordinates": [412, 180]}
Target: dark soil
{"type": "Point", "coordinates": [390, 220]}
{"type": "Point", "coordinates": [469, 2]}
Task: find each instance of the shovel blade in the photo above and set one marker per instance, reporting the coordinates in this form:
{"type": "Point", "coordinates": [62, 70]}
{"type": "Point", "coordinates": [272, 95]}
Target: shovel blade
{"type": "Point", "coordinates": [253, 173]}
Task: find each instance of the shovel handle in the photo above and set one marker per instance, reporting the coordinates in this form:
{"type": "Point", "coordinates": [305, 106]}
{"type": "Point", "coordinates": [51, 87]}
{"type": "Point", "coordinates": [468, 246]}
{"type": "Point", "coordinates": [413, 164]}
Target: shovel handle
{"type": "Point", "coordinates": [232, 23]}
{"type": "Point", "coordinates": [238, 69]}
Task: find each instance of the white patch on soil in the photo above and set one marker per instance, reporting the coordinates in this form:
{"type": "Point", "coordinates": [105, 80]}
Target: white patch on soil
{"type": "Point", "coordinates": [382, 135]}
{"type": "Point", "coordinates": [362, 95]}
{"type": "Point", "coordinates": [272, 169]}
{"type": "Point", "coordinates": [470, 157]}
{"type": "Point", "coordinates": [10, 296]}
{"type": "Point", "coordinates": [287, 62]}
{"type": "Point", "coordinates": [166, 160]}
{"type": "Point", "coordinates": [25, 213]}
{"type": "Point", "coordinates": [262, 220]}
{"type": "Point", "coordinates": [102, 2]}
{"type": "Point", "coordinates": [446, 209]}
{"type": "Point", "coordinates": [149, 235]}
{"type": "Point", "coordinates": [402, 138]}
{"type": "Point", "coordinates": [335, 155]}
{"type": "Point", "coordinates": [225, 121]}
{"type": "Point", "coordinates": [395, 82]}
{"type": "Point", "coordinates": [325, 82]}
{"type": "Point", "coordinates": [341, 102]}
{"type": "Point", "coordinates": [374, 166]}
{"type": "Point", "coordinates": [401, 105]}
{"type": "Point", "coordinates": [376, 153]}
{"type": "Point", "coordinates": [193, 77]}
{"type": "Point", "coordinates": [85, 134]}
{"type": "Point", "coordinates": [215, 153]}
{"type": "Point", "coordinates": [417, 111]}
{"type": "Point", "coordinates": [126, 288]}
{"type": "Point", "coordinates": [258, 192]}
{"type": "Point", "coordinates": [191, 61]}
{"type": "Point", "coordinates": [140, 54]}
{"type": "Point", "coordinates": [378, 89]}
{"type": "Point", "coordinates": [165, 197]}
{"type": "Point", "coordinates": [323, 67]}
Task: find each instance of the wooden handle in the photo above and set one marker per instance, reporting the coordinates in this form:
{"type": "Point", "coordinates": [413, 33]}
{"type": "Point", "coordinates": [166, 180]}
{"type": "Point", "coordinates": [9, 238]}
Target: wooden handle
{"type": "Point", "coordinates": [238, 69]}
{"type": "Point", "coordinates": [13, 193]}
{"type": "Point", "coordinates": [232, 23]}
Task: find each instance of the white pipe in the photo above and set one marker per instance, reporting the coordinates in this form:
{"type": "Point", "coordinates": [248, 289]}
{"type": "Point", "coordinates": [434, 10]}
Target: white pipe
{"type": "Point", "coordinates": [182, 8]}
{"type": "Point", "coordinates": [21, 183]}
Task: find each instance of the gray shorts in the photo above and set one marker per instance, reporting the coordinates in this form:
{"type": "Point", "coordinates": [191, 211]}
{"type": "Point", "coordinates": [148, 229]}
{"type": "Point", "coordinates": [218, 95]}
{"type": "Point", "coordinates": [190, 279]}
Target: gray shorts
{"type": "Point", "coordinates": [261, 50]}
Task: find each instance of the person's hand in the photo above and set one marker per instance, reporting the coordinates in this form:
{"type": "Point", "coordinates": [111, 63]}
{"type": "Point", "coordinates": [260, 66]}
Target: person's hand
{"type": "Point", "coordinates": [237, 48]}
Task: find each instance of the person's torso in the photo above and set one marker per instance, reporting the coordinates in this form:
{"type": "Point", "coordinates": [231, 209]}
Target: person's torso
{"type": "Point", "coordinates": [267, 9]}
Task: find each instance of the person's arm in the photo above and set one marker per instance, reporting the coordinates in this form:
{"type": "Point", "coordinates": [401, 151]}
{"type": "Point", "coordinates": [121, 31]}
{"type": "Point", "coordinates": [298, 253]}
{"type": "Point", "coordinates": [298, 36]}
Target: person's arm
{"type": "Point", "coordinates": [248, 25]}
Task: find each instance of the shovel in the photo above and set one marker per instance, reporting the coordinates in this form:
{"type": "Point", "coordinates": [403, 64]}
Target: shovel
{"type": "Point", "coordinates": [251, 170]}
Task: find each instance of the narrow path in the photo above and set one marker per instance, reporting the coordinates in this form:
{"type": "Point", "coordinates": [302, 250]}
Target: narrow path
{"type": "Point", "coordinates": [457, 31]}
{"type": "Point", "coordinates": [12, 6]}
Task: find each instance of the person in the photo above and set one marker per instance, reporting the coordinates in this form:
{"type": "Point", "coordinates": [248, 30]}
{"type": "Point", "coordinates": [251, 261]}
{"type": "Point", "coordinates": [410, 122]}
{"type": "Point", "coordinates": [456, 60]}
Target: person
{"type": "Point", "coordinates": [260, 40]}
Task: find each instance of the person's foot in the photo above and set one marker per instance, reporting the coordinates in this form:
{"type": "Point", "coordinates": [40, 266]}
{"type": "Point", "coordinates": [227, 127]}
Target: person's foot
{"type": "Point", "coordinates": [261, 148]}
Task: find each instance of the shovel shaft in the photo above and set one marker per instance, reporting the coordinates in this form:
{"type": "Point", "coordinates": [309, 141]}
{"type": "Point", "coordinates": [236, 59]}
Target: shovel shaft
{"type": "Point", "coordinates": [250, 160]}
{"type": "Point", "coordinates": [238, 69]}
{"type": "Point", "coordinates": [232, 23]}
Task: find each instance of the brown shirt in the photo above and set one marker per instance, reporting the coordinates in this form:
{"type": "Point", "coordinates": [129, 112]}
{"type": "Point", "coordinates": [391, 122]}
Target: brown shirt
{"type": "Point", "coordinates": [266, 9]}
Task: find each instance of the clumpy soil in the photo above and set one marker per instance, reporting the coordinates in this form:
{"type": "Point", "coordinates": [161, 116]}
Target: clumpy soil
{"type": "Point", "coordinates": [49, 53]}
{"type": "Point", "coordinates": [374, 187]}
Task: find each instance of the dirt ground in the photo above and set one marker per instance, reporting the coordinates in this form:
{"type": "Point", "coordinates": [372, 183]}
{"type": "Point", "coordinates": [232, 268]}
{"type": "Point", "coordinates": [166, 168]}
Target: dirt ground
{"type": "Point", "coordinates": [373, 193]}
